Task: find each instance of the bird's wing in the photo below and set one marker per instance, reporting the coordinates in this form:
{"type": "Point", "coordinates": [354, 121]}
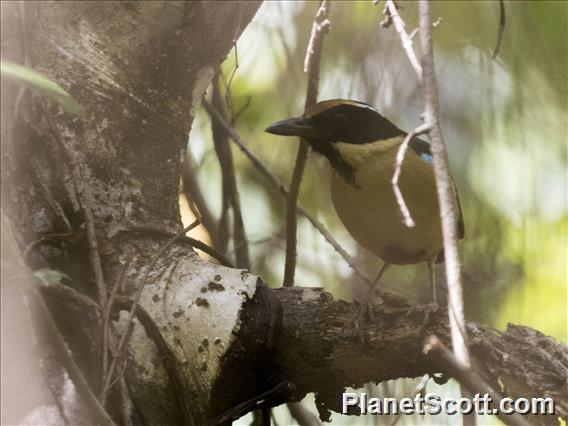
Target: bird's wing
{"type": "Point", "coordinates": [422, 148]}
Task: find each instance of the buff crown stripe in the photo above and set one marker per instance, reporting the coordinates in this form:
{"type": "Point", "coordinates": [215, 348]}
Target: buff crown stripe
{"type": "Point", "coordinates": [325, 105]}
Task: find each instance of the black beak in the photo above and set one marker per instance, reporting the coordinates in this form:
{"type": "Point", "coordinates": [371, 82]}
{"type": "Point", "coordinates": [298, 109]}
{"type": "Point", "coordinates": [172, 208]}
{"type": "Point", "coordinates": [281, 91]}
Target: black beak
{"type": "Point", "coordinates": [296, 126]}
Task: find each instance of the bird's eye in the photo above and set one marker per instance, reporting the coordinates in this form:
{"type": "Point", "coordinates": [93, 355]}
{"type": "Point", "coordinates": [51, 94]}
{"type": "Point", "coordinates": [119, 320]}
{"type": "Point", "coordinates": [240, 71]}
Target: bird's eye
{"type": "Point", "coordinates": [339, 120]}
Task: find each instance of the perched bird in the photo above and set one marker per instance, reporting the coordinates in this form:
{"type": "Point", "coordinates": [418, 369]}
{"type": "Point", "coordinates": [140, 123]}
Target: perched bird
{"type": "Point", "coordinates": [361, 146]}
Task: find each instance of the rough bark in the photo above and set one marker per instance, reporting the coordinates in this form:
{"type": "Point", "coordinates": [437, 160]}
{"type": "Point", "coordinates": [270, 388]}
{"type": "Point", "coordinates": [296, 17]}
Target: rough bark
{"type": "Point", "coordinates": [315, 352]}
{"type": "Point", "coordinates": [208, 337]}
{"type": "Point", "coordinates": [139, 71]}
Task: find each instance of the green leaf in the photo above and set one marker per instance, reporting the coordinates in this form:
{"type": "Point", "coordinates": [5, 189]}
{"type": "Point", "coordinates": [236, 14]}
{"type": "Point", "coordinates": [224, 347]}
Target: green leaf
{"type": "Point", "coordinates": [40, 82]}
{"type": "Point", "coordinates": [49, 277]}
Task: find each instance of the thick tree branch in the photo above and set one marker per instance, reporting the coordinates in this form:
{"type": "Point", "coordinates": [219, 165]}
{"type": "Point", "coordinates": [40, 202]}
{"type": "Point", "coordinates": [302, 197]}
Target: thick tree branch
{"type": "Point", "coordinates": [468, 378]}
{"type": "Point", "coordinates": [316, 353]}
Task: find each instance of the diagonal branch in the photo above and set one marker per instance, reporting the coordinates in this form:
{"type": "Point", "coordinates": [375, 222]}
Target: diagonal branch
{"type": "Point", "coordinates": [406, 40]}
{"type": "Point", "coordinates": [468, 378]}
{"type": "Point", "coordinates": [312, 66]}
{"type": "Point", "coordinates": [408, 221]}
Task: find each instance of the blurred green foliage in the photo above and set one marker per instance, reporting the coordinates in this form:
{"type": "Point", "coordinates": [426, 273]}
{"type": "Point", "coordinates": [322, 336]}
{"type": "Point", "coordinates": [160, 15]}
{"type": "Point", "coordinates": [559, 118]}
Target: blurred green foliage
{"type": "Point", "coordinates": [505, 124]}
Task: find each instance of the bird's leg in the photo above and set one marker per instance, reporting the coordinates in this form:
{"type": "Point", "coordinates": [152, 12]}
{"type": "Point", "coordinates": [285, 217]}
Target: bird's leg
{"type": "Point", "coordinates": [364, 309]}
{"type": "Point", "coordinates": [431, 262]}
{"type": "Point", "coordinates": [431, 307]}
{"type": "Point", "coordinates": [371, 294]}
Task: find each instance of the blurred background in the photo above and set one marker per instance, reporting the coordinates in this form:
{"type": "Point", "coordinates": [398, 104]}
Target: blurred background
{"type": "Point", "coordinates": [505, 125]}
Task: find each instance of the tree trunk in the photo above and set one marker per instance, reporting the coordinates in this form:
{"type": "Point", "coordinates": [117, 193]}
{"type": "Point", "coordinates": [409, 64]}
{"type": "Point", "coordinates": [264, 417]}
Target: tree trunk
{"type": "Point", "coordinates": [139, 71]}
{"type": "Point", "coordinates": [96, 197]}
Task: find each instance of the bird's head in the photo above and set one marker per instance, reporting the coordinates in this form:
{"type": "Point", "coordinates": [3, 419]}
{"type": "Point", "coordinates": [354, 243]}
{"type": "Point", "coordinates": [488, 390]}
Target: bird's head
{"type": "Point", "coordinates": [335, 127]}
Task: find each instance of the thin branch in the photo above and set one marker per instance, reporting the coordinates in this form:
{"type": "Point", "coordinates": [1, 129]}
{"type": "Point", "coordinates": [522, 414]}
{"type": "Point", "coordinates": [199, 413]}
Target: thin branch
{"type": "Point", "coordinates": [126, 403]}
{"type": "Point", "coordinates": [468, 378]}
{"type": "Point", "coordinates": [196, 200]}
{"type": "Point", "coordinates": [400, 27]}
{"type": "Point", "coordinates": [121, 303]}
{"type": "Point", "coordinates": [69, 293]}
{"type": "Point", "coordinates": [129, 323]}
{"type": "Point", "coordinates": [63, 351]}
{"type": "Point", "coordinates": [51, 201]}
{"type": "Point", "coordinates": [242, 109]}
{"type": "Point", "coordinates": [228, 93]}
{"type": "Point", "coordinates": [84, 199]}
{"type": "Point", "coordinates": [501, 29]}
{"type": "Point", "coordinates": [312, 62]}
{"type": "Point", "coordinates": [200, 245]}
{"type": "Point", "coordinates": [276, 183]}
{"type": "Point", "coordinates": [415, 30]}
{"type": "Point", "coordinates": [94, 255]}
{"type": "Point", "coordinates": [400, 155]}
{"type": "Point", "coordinates": [166, 355]}
{"type": "Point", "coordinates": [107, 312]}
{"type": "Point", "coordinates": [229, 187]}
{"type": "Point", "coordinates": [445, 189]}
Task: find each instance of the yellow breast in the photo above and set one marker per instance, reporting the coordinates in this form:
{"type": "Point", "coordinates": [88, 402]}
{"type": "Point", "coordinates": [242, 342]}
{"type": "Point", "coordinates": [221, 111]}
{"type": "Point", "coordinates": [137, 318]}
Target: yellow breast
{"type": "Point", "coordinates": [370, 212]}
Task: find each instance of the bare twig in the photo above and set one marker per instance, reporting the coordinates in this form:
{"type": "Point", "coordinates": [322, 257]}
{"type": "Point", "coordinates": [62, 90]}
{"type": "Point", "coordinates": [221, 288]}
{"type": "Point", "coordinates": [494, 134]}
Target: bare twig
{"type": "Point", "coordinates": [434, 25]}
{"type": "Point", "coordinates": [228, 93]}
{"type": "Point", "coordinates": [501, 29]}
{"type": "Point", "coordinates": [242, 109]}
{"type": "Point", "coordinates": [225, 160]}
{"type": "Point", "coordinates": [94, 256]}
{"type": "Point", "coordinates": [312, 66]}
{"type": "Point", "coordinates": [84, 199]}
{"type": "Point", "coordinates": [65, 354]}
{"type": "Point", "coordinates": [408, 221]}
{"type": "Point", "coordinates": [445, 188]}
{"type": "Point", "coordinates": [129, 323]}
{"type": "Point", "coordinates": [51, 201]}
{"type": "Point", "coordinates": [166, 354]}
{"type": "Point", "coordinates": [276, 183]}
{"type": "Point", "coordinates": [107, 312]}
{"type": "Point", "coordinates": [196, 200]}
{"type": "Point", "coordinates": [186, 240]}
{"type": "Point", "coordinates": [467, 377]}
{"type": "Point", "coordinates": [200, 245]}
{"type": "Point", "coordinates": [230, 191]}
{"type": "Point", "coordinates": [126, 407]}
{"type": "Point", "coordinates": [65, 292]}
{"type": "Point", "coordinates": [400, 27]}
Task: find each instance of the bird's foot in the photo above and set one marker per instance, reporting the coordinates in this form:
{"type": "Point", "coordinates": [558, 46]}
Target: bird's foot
{"type": "Point", "coordinates": [426, 309]}
{"type": "Point", "coordinates": [364, 316]}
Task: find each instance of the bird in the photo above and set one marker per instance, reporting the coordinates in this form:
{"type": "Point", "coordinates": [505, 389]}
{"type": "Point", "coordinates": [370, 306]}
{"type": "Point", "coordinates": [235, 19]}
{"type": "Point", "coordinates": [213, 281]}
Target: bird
{"type": "Point", "coordinates": [361, 146]}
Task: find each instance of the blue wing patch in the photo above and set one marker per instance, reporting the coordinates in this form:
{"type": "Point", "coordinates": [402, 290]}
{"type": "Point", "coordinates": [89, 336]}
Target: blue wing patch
{"type": "Point", "coordinates": [422, 149]}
